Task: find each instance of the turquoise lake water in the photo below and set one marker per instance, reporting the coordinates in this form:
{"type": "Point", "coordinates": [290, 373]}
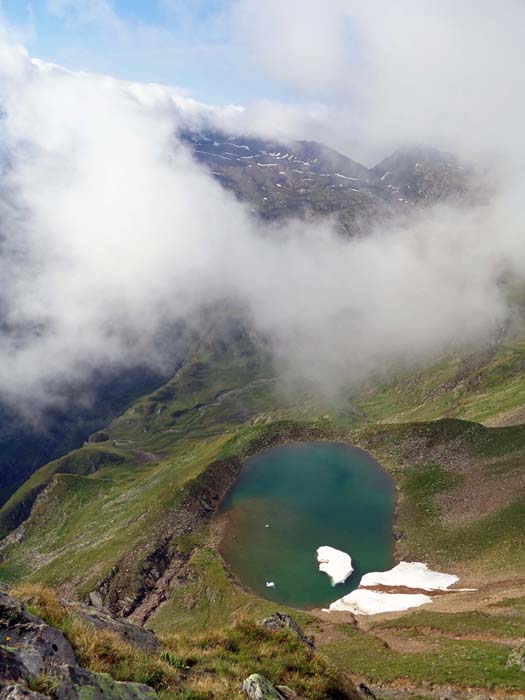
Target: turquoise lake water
{"type": "Point", "coordinates": [308, 494]}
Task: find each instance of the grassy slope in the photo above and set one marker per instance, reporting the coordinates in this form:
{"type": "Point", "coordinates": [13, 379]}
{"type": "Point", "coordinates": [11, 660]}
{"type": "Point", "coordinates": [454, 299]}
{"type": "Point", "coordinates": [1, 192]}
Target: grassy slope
{"type": "Point", "coordinates": [191, 667]}
{"type": "Point", "coordinates": [109, 499]}
{"type": "Point", "coordinates": [440, 661]}
{"type": "Point", "coordinates": [477, 387]}
{"type": "Point", "coordinates": [119, 493]}
{"type": "Point", "coordinates": [432, 462]}
{"type": "Point", "coordinates": [103, 498]}
{"type": "Point", "coordinates": [211, 602]}
{"type": "Point", "coordinates": [424, 647]}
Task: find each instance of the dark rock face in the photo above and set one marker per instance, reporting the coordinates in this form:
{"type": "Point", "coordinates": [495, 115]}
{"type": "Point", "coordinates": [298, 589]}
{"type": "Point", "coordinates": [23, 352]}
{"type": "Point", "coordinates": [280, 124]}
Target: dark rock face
{"type": "Point", "coordinates": [280, 621]}
{"type": "Point", "coordinates": [12, 667]}
{"type": "Point", "coordinates": [37, 646]}
{"type": "Point", "coordinates": [139, 637]}
{"type": "Point", "coordinates": [424, 175]}
{"type": "Point", "coordinates": [75, 683]}
{"type": "Point", "coordinates": [19, 692]}
{"type": "Point", "coordinates": [100, 436]}
{"type": "Point", "coordinates": [136, 587]}
{"type": "Point", "coordinates": [310, 180]}
{"type": "Point", "coordinates": [30, 650]}
{"type": "Point", "coordinates": [365, 692]}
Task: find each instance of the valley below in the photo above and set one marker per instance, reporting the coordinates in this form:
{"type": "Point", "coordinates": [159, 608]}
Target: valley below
{"type": "Point", "coordinates": [196, 508]}
{"type": "Point", "coordinates": [134, 520]}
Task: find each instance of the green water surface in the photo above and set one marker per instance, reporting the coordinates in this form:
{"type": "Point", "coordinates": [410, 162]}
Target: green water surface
{"type": "Point", "coordinates": [308, 494]}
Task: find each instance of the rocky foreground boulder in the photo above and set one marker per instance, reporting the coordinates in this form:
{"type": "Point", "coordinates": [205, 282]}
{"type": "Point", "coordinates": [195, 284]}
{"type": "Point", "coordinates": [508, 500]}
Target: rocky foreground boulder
{"type": "Point", "coordinates": [37, 661]}
{"type": "Point", "coordinates": [258, 687]}
{"type": "Point", "coordinates": [139, 637]}
{"type": "Point", "coordinates": [280, 621]}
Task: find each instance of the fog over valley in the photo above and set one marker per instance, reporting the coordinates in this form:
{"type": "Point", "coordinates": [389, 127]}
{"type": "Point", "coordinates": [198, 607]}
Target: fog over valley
{"type": "Point", "coordinates": [112, 229]}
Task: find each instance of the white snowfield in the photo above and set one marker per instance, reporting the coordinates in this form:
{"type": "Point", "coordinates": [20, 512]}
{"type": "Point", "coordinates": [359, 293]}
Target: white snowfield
{"type": "Point", "coordinates": [411, 575]}
{"type": "Point", "coordinates": [337, 564]}
{"type": "Point", "coordinates": [364, 602]}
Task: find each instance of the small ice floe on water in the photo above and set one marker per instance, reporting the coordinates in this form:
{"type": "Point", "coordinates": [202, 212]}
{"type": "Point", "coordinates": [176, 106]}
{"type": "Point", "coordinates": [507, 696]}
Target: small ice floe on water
{"type": "Point", "coordinates": [337, 564]}
{"type": "Point", "coordinates": [270, 584]}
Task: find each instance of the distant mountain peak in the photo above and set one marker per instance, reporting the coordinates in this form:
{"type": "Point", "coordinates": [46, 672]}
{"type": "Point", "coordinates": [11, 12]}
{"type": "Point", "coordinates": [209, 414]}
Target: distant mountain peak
{"type": "Point", "coordinates": [307, 178]}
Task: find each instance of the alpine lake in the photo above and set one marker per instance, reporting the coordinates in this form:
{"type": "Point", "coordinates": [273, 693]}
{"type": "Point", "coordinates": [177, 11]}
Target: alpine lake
{"type": "Point", "coordinates": [290, 500]}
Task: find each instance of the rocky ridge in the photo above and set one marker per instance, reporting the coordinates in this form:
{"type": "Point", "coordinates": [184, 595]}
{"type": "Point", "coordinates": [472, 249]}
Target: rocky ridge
{"type": "Point", "coordinates": [310, 180]}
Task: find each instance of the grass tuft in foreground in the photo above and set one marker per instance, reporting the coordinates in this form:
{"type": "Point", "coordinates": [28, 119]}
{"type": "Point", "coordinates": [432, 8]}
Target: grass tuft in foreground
{"type": "Point", "coordinates": [194, 667]}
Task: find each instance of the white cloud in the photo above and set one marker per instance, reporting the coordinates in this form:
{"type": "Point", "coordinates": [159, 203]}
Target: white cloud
{"type": "Point", "coordinates": [445, 73]}
{"type": "Point", "coordinates": [297, 42]}
{"type": "Point", "coordinates": [110, 230]}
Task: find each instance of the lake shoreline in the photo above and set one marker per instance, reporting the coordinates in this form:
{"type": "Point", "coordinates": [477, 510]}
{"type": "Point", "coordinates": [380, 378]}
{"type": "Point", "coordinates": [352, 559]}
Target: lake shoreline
{"type": "Point", "coordinates": [371, 491]}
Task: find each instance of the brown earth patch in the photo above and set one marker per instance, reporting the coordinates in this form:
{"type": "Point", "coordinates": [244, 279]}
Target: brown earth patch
{"type": "Point", "coordinates": [325, 630]}
{"type": "Point", "coordinates": [407, 645]}
{"type": "Point", "coordinates": [432, 634]}
{"type": "Point", "coordinates": [478, 496]}
{"type": "Point", "coordinates": [403, 689]}
{"type": "Point", "coordinates": [516, 416]}
{"type": "Point", "coordinates": [382, 588]}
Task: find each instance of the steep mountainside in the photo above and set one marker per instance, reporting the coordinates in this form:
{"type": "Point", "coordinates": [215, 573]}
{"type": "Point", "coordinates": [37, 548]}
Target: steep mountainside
{"type": "Point", "coordinates": [28, 442]}
{"type": "Point", "coordinates": [25, 446]}
{"type": "Point", "coordinates": [423, 174]}
{"type": "Point", "coordinates": [305, 178]}
{"type": "Point", "coordinates": [129, 520]}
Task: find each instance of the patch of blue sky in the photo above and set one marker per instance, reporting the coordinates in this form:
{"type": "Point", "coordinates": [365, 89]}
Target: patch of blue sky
{"type": "Point", "coordinates": [185, 43]}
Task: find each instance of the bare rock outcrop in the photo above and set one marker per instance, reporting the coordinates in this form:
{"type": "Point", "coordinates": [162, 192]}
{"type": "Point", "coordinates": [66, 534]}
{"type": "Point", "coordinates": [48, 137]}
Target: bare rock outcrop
{"type": "Point", "coordinates": [31, 650]}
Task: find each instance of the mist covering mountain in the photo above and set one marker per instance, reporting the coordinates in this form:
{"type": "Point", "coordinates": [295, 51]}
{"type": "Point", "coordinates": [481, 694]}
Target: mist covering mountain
{"type": "Point", "coordinates": [121, 217]}
{"type": "Point", "coordinates": [305, 178]}
{"type": "Point", "coordinates": [278, 181]}
{"type": "Point", "coordinates": [127, 209]}
{"type": "Point", "coordinates": [148, 222]}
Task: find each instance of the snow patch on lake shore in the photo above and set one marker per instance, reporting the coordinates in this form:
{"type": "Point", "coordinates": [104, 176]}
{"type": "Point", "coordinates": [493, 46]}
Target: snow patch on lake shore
{"type": "Point", "coordinates": [365, 602]}
{"type": "Point", "coordinates": [410, 575]}
{"type": "Point", "coordinates": [335, 563]}
{"type": "Point", "coordinates": [416, 575]}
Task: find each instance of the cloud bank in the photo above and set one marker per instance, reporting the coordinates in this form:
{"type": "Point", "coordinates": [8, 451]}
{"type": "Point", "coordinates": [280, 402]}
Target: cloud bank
{"type": "Point", "coordinates": [109, 231]}
{"type": "Point", "coordinates": [444, 73]}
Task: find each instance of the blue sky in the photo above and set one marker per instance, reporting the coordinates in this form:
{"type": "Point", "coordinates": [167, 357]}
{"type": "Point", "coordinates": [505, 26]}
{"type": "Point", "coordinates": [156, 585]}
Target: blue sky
{"type": "Point", "coordinates": [188, 43]}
